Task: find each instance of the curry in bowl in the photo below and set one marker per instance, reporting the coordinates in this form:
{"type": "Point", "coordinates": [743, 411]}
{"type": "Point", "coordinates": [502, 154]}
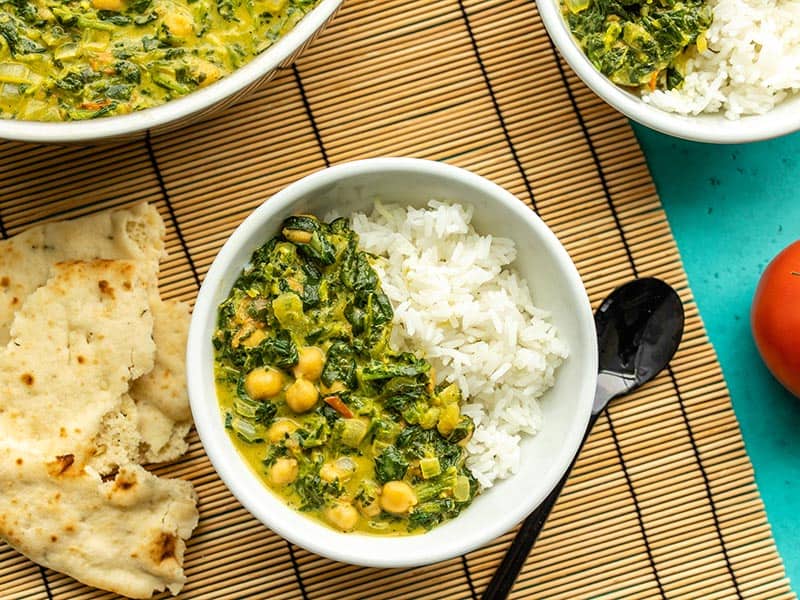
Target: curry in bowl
{"type": "Point", "coordinates": [332, 419]}
{"type": "Point", "coordinates": [82, 59]}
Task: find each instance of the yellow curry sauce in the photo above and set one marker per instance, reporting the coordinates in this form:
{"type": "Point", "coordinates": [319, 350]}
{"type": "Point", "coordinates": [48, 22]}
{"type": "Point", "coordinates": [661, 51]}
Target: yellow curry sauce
{"type": "Point", "coordinates": [80, 59]}
{"type": "Point", "coordinates": [332, 419]}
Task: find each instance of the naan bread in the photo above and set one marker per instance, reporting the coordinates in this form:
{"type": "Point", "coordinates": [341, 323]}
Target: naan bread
{"type": "Point", "coordinates": [136, 234]}
{"type": "Point", "coordinates": [154, 427]}
{"type": "Point", "coordinates": [125, 535]}
{"type": "Point", "coordinates": [75, 345]}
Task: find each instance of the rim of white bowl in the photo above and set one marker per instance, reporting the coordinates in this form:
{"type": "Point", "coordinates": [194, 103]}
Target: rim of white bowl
{"type": "Point", "coordinates": [224, 457]}
{"type": "Point", "coordinates": [91, 130]}
{"type": "Point", "coordinates": [702, 128]}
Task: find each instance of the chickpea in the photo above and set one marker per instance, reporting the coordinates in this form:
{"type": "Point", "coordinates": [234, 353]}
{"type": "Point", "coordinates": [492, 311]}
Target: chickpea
{"type": "Point", "coordinates": [309, 363]}
{"type": "Point", "coordinates": [117, 5]}
{"type": "Point", "coordinates": [180, 25]}
{"type": "Point", "coordinates": [261, 383]}
{"type": "Point", "coordinates": [280, 429]}
{"type": "Point", "coordinates": [397, 497]}
{"type": "Point", "coordinates": [328, 473]}
{"type": "Point", "coordinates": [342, 515]}
{"type": "Point", "coordinates": [283, 471]}
{"type": "Point", "coordinates": [301, 396]}
{"type": "Point", "coordinates": [298, 236]}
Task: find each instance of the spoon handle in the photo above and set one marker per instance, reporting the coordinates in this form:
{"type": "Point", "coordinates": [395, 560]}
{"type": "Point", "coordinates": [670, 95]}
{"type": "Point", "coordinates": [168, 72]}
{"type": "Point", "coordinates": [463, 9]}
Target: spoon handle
{"type": "Point", "coordinates": [506, 574]}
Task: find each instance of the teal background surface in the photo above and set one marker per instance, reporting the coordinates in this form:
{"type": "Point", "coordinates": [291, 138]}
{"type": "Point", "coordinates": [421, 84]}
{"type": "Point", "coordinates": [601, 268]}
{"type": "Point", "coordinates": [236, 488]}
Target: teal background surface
{"type": "Point", "coordinates": [731, 209]}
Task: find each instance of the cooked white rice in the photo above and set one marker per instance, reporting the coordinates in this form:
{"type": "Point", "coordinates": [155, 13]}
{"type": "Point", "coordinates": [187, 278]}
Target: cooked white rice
{"type": "Point", "coordinates": [752, 64]}
{"type": "Point", "coordinates": [459, 303]}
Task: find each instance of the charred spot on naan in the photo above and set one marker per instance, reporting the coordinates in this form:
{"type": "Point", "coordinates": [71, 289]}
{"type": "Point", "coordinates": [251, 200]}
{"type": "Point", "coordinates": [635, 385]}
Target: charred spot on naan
{"type": "Point", "coordinates": [64, 465]}
{"type": "Point", "coordinates": [127, 488]}
{"type": "Point", "coordinates": [164, 547]}
{"type": "Point", "coordinates": [123, 269]}
{"type": "Point", "coordinates": [105, 288]}
{"type": "Point", "coordinates": [125, 481]}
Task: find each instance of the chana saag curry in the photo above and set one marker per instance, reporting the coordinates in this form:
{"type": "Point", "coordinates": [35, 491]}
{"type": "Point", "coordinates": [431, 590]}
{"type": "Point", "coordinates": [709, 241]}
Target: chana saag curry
{"type": "Point", "coordinates": [333, 420]}
{"type": "Point", "coordinates": [639, 43]}
{"type": "Point", "coordinates": [65, 60]}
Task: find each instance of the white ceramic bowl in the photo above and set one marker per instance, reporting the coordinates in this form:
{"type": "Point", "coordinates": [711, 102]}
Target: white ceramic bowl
{"type": "Point", "coordinates": [556, 286]}
{"type": "Point", "coordinates": [184, 110]}
{"type": "Point", "coordinates": [713, 128]}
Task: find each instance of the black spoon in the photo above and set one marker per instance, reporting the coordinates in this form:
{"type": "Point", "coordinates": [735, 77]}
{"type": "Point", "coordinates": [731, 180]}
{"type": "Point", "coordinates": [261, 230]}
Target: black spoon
{"type": "Point", "coordinates": [639, 327]}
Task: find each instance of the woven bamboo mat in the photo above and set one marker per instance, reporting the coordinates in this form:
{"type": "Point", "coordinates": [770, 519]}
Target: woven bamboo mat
{"type": "Point", "coordinates": [662, 502]}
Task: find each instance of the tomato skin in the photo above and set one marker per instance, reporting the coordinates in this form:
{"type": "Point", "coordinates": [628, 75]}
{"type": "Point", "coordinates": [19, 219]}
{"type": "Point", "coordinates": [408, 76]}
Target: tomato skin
{"type": "Point", "coordinates": [775, 317]}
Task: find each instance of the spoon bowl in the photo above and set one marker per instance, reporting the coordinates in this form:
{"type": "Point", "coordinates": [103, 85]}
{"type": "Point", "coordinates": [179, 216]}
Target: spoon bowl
{"type": "Point", "coordinates": [639, 326]}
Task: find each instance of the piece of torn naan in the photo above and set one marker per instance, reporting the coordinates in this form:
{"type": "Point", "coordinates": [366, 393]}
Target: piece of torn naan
{"type": "Point", "coordinates": [126, 535]}
{"type": "Point", "coordinates": [160, 411]}
{"type": "Point", "coordinates": [74, 347]}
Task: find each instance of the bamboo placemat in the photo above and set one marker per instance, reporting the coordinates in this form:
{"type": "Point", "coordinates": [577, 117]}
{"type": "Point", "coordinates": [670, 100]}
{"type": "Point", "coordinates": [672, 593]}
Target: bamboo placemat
{"type": "Point", "coordinates": [662, 502]}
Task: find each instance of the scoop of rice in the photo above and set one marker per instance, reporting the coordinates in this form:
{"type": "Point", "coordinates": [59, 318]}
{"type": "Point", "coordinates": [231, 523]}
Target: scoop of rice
{"type": "Point", "coordinates": [459, 303]}
{"type": "Point", "coordinates": [752, 62]}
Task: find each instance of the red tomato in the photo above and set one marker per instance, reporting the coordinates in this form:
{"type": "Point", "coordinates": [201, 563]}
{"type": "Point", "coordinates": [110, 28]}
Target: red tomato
{"type": "Point", "coordinates": [775, 317]}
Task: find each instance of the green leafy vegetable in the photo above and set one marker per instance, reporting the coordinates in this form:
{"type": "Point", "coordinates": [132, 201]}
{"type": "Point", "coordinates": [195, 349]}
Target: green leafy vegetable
{"type": "Point", "coordinates": [340, 365]}
{"type": "Point", "coordinates": [72, 82]}
{"type": "Point", "coordinates": [265, 413]}
{"type": "Point", "coordinates": [416, 442]}
{"type": "Point", "coordinates": [313, 491]}
{"type": "Point", "coordinates": [463, 431]}
{"type": "Point", "coordinates": [114, 17]}
{"type": "Point", "coordinates": [18, 43]}
{"type": "Point", "coordinates": [390, 465]}
{"type": "Point", "coordinates": [356, 273]}
{"type": "Point", "coordinates": [403, 365]}
{"type": "Point", "coordinates": [128, 71]}
{"type": "Point", "coordinates": [429, 514]}
{"type": "Point", "coordinates": [279, 350]}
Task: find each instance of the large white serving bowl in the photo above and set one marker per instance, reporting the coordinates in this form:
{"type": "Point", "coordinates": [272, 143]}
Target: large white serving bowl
{"type": "Point", "coordinates": [712, 128]}
{"type": "Point", "coordinates": [182, 111]}
{"type": "Point", "coordinates": [555, 284]}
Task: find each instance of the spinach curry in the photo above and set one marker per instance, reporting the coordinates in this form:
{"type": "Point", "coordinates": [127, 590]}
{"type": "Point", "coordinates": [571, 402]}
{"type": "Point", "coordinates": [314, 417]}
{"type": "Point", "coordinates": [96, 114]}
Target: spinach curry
{"type": "Point", "coordinates": [80, 59]}
{"type": "Point", "coordinates": [639, 43]}
{"type": "Point", "coordinates": [333, 420]}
